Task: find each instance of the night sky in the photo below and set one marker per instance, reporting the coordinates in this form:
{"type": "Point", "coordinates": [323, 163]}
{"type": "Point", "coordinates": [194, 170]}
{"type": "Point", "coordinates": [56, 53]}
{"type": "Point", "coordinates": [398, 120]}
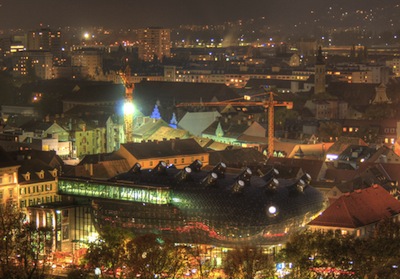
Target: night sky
{"type": "Point", "coordinates": [142, 13]}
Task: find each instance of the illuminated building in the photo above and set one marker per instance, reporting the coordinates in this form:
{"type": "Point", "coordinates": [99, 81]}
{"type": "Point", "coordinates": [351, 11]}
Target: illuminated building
{"type": "Point", "coordinates": [190, 205]}
{"type": "Point", "coordinates": [154, 43]}
{"type": "Point", "coordinates": [8, 178]}
{"type": "Point", "coordinates": [36, 63]}
{"type": "Point", "coordinates": [90, 61]}
{"type": "Point", "coordinates": [45, 39]}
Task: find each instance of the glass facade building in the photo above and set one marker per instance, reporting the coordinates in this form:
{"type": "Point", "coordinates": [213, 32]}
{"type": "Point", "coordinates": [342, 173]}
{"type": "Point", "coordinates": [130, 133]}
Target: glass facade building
{"type": "Point", "coordinates": [196, 206]}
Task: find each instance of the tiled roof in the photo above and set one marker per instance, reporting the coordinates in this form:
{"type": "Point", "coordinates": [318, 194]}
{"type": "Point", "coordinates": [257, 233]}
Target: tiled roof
{"type": "Point", "coordinates": [101, 170]}
{"type": "Point", "coordinates": [343, 142]}
{"type": "Point", "coordinates": [157, 149]}
{"type": "Point", "coordinates": [196, 122]}
{"type": "Point", "coordinates": [34, 166]}
{"type": "Point", "coordinates": [237, 157]}
{"type": "Point", "coordinates": [149, 128]}
{"type": "Point", "coordinates": [231, 129]}
{"type": "Point", "coordinates": [339, 175]}
{"type": "Point", "coordinates": [360, 208]}
{"type": "Point", "coordinates": [312, 167]}
{"type": "Point", "coordinates": [169, 133]}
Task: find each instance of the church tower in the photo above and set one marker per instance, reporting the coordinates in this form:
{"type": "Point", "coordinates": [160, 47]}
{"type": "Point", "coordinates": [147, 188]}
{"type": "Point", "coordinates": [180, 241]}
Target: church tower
{"type": "Point", "coordinates": [320, 73]}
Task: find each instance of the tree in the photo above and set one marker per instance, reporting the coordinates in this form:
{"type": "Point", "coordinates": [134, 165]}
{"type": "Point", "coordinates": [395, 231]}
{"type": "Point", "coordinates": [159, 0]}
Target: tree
{"type": "Point", "coordinates": [329, 130]}
{"type": "Point", "coordinates": [246, 262]}
{"type": "Point", "coordinates": [199, 261]}
{"type": "Point", "coordinates": [384, 247]}
{"type": "Point", "coordinates": [24, 248]}
{"type": "Point", "coordinates": [34, 248]}
{"type": "Point", "coordinates": [150, 256]}
{"type": "Point", "coordinates": [109, 251]}
{"type": "Point", "coordinates": [300, 250]}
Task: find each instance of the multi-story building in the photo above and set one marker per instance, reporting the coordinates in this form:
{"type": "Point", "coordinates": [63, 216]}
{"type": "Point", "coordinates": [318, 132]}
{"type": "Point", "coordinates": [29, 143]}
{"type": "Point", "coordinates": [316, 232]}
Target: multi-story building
{"type": "Point", "coordinates": [231, 79]}
{"type": "Point", "coordinates": [33, 63]}
{"type": "Point", "coordinates": [37, 182]}
{"type": "Point", "coordinates": [39, 40]}
{"type": "Point", "coordinates": [154, 43]}
{"type": "Point", "coordinates": [90, 60]}
{"type": "Point", "coordinates": [394, 65]}
{"type": "Point", "coordinates": [179, 152]}
{"type": "Point", "coordinates": [8, 178]}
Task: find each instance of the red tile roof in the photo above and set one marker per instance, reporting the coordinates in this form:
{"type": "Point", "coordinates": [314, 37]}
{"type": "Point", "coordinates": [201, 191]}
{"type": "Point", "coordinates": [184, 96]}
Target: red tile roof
{"type": "Point", "coordinates": [359, 208]}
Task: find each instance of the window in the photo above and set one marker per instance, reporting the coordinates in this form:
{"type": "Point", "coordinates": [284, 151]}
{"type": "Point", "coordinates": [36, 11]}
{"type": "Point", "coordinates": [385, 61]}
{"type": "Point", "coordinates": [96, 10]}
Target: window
{"type": "Point", "coordinates": [183, 160]}
{"type": "Point", "coordinates": [151, 163]}
{"type": "Point", "coordinates": [1, 195]}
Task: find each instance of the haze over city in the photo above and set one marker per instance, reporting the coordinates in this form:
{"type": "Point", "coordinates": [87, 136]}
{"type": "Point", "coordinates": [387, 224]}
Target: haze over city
{"type": "Point", "coordinates": [140, 13]}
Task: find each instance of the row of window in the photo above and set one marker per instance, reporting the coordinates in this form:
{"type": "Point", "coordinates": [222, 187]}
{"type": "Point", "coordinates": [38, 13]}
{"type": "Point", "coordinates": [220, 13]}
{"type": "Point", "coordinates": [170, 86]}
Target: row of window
{"type": "Point", "coordinates": [355, 130]}
{"type": "Point", "coordinates": [36, 189]}
{"type": "Point", "coordinates": [36, 201]}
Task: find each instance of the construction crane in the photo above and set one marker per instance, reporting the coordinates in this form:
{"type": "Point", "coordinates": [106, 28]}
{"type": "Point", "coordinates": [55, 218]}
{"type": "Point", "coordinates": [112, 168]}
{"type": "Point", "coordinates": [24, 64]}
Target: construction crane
{"type": "Point", "coordinates": [268, 104]}
{"type": "Point", "coordinates": [128, 104]}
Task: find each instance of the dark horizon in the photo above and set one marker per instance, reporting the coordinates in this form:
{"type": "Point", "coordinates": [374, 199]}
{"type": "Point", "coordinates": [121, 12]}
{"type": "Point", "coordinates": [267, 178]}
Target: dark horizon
{"type": "Point", "coordinates": [172, 13]}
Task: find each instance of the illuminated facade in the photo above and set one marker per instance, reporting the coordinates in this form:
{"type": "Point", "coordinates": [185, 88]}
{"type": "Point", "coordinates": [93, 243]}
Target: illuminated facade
{"type": "Point", "coordinates": [34, 63]}
{"type": "Point", "coordinates": [154, 43]}
{"type": "Point", "coordinates": [8, 181]}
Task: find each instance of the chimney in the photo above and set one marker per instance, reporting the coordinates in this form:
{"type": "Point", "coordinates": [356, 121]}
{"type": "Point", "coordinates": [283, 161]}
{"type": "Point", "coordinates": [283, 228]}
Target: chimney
{"type": "Point", "coordinates": [173, 144]}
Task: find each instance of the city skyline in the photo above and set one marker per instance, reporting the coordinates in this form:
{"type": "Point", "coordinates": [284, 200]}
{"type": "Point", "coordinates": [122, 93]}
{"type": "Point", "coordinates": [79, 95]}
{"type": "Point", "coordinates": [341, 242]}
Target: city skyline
{"type": "Point", "coordinates": [140, 13]}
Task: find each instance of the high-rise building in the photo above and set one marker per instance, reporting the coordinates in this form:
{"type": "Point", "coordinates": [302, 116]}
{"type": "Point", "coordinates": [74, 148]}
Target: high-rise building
{"type": "Point", "coordinates": [154, 43]}
{"type": "Point", "coordinates": [39, 40]}
{"type": "Point", "coordinates": [45, 39]}
{"type": "Point", "coordinates": [34, 63]}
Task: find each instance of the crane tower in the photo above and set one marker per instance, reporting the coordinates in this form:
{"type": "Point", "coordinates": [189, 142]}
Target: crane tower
{"type": "Point", "coordinates": [128, 104]}
{"type": "Point", "coordinates": [269, 104]}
